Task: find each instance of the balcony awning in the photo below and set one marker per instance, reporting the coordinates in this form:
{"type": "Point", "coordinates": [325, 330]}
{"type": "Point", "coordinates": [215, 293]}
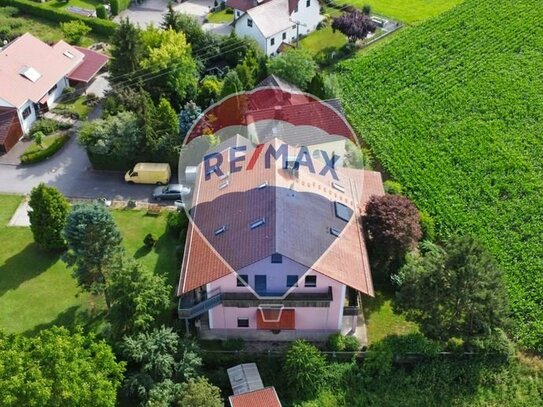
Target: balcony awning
{"type": "Point", "coordinates": [275, 319]}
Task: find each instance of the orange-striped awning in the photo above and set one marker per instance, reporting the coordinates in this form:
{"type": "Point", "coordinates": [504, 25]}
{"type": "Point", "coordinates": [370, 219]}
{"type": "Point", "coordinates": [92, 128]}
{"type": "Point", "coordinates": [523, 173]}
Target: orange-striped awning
{"type": "Point", "coordinates": [275, 319]}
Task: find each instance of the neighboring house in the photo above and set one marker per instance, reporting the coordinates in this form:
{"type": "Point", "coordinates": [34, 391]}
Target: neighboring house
{"type": "Point", "coordinates": [286, 251]}
{"type": "Point", "coordinates": [248, 389]}
{"type": "Point", "coordinates": [275, 22]}
{"type": "Point", "coordinates": [33, 75]}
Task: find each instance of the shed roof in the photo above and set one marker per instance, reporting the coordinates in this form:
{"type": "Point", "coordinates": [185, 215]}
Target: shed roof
{"type": "Point", "coordinates": [266, 397]}
{"type": "Point", "coordinates": [244, 378]}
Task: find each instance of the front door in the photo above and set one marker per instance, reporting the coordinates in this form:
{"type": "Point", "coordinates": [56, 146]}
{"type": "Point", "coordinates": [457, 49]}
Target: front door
{"type": "Point", "coordinates": [260, 284]}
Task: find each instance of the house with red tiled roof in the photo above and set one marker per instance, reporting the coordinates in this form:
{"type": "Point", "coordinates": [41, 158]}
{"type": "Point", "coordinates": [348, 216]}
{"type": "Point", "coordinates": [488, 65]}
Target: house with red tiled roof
{"type": "Point", "coordinates": [275, 23]}
{"type": "Point", "coordinates": [33, 76]}
{"type": "Point", "coordinates": [277, 252]}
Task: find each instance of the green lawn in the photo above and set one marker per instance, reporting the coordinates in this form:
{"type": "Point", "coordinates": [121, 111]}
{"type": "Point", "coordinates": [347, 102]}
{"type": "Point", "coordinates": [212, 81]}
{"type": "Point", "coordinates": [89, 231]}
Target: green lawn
{"type": "Point", "coordinates": [323, 40]}
{"type": "Point", "coordinates": [219, 17]}
{"type": "Point", "coordinates": [87, 4]}
{"type": "Point", "coordinates": [381, 320]}
{"type": "Point", "coordinates": [77, 105]}
{"type": "Point", "coordinates": [45, 30]}
{"type": "Point", "coordinates": [47, 141]}
{"type": "Point", "coordinates": [36, 288]}
{"type": "Point", "coordinates": [407, 11]}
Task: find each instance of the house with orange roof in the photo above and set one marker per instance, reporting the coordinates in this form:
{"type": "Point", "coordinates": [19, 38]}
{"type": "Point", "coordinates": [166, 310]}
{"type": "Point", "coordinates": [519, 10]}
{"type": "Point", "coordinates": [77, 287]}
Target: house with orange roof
{"type": "Point", "coordinates": [277, 252]}
{"type": "Point", "coordinates": [33, 76]}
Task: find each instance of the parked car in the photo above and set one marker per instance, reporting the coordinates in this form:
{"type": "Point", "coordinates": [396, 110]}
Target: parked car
{"type": "Point", "coordinates": [149, 173]}
{"type": "Point", "coordinates": [170, 192]}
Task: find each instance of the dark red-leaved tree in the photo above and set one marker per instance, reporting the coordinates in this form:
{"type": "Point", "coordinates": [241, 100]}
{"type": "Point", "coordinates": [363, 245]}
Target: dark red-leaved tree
{"type": "Point", "coordinates": [355, 25]}
{"type": "Point", "coordinates": [392, 225]}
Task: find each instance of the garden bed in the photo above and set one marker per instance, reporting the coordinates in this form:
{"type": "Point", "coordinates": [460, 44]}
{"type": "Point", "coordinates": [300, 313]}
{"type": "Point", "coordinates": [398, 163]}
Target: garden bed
{"type": "Point", "coordinates": [50, 145]}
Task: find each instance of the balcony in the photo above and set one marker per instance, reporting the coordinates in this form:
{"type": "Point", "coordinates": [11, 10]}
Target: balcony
{"type": "Point", "coordinates": [191, 307]}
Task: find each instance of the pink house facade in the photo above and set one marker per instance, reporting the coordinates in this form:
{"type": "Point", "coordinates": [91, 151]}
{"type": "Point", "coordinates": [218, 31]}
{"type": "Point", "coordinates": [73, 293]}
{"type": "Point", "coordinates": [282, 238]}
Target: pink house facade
{"type": "Point", "coordinates": [276, 253]}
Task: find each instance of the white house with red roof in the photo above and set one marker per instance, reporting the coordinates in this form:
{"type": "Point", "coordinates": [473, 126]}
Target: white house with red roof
{"type": "Point", "coordinates": [33, 75]}
{"type": "Point", "coordinates": [275, 23]}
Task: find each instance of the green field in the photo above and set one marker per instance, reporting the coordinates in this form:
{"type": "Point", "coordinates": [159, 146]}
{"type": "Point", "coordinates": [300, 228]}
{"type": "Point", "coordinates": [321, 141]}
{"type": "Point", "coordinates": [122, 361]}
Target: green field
{"type": "Point", "coordinates": [453, 109]}
{"type": "Point", "coordinates": [407, 11]}
{"type": "Point", "coordinates": [36, 289]}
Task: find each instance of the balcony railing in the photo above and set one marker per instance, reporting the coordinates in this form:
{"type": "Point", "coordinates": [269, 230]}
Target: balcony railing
{"type": "Point", "coordinates": [190, 307]}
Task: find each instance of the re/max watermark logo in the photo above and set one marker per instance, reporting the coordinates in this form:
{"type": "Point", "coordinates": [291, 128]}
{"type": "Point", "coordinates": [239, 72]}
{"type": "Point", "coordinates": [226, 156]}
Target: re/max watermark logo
{"type": "Point", "coordinates": [214, 162]}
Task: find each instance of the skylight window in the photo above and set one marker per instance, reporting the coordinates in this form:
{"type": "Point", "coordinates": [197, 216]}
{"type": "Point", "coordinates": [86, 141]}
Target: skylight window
{"type": "Point", "coordinates": [343, 212]}
{"type": "Point", "coordinates": [220, 230]}
{"type": "Point", "coordinates": [224, 184]}
{"type": "Point", "coordinates": [68, 54]}
{"type": "Point", "coordinates": [335, 232]}
{"type": "Point", "coordinates": [338, 187]}
{"type": "Point", "coordinates": [257, 223]}
{"type": "Point", "coordinates": [30, 73]}
{"type": "Point", "coordinates": [263, 185]}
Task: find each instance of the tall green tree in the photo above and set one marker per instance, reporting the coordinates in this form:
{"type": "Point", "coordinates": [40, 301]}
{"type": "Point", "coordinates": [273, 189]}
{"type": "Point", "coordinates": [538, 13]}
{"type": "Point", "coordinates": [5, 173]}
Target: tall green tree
{"type": "Point", "coordinates": [454, 291]}
{"type": "Point", "coordinates": [166, 129]}
{"type": "Point", "coordinates": [169, 52]}
{"type": "Point", "coordinates": [126, 52]}
{"type": "Point", "coordinates": [158, 358]}
{"type": "Point", "coordinates": [209, 90]}
{"type": "Point", "coordinates": [49, 210]}
{"type": "Point", "coordinates": [137, 297]}
{"type": "Point", "coordinates": [94, 245]}
{"type": "Point", "coordinates": [58, 368]}
{"type": "Point", "coordinates": [199, 393]}
{"type": "Point", "coordinates": [304, 369]}
{"type": "Point", "coordinates": [171, 20]}
{"type": "Point", "coordinates": [232, 84]}
{"type": "Point", "coordinates": [188, 115]}
{"type": "Point", "coordinates": [295, 66]}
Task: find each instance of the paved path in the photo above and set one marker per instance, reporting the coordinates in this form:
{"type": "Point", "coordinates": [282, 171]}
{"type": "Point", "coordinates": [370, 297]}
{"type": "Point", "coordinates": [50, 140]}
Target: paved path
{"type": "Point", "coordinates": [151, 11]}
{"type": "Point", "coordinates": [221, 29]}
{"type": "Point", "coordinates": [20, 217]}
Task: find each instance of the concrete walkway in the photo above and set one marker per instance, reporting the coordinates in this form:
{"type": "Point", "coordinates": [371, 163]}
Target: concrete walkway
{"type": "Point", "coordinates": [220, 29]}
{"type": "Point", "coordinates": [20, 217]}
{"type": "Point", "coordinates": [152, 11]}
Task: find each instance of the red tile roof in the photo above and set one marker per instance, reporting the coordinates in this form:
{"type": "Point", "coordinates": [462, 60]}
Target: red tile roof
{"type": "Point", "coordinates": [92, 63]}
{"type": "Point", "coordinates": [266, 397]}
{"type": "Point", "coordinates": [275, 319]}
{"type": "Point", "coordinates": [298, 213]}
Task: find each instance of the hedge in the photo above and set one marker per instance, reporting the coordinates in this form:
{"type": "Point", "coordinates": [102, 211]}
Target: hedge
{"type": "Point", "coordinates": [98, 26]}
{"type": "Point", "coordinates": [119, 5]}
{"type": "Point", "coordinates": [111, 162]}
{"type": "Point", "coordinates": [101, 12]}
{"type": "Point", "coordinates": [40, 155]}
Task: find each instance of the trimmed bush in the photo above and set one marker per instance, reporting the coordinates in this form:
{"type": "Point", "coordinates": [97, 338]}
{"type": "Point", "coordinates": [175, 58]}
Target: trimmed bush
{"type": "Point", "coordinates": [428, 226]}
{"type": "Point", "coordinates": [149, 240]}
{"type": "Point", "coordinates": [99, 26]}
{"type": "Point", "coordinates": [40, 155]}
{"type": "Point", "coordinates": [119, 5]}
{"type": "Point", "coordinates": [101, 12]}
{"type": "Point", "coordinates": [336, 342]}
{"type": "Point", "coordinates": [46, 126]}
{"type": "Point", "coordinates": [393, 187]}
{"type": "Point", "coordinates": [176, 222]}
{"type": "Point", "coordinates": [351, 343]}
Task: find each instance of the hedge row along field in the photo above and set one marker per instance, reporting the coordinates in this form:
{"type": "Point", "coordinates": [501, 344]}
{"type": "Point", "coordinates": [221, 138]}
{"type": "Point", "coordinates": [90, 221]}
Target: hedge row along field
{"type": "Point", "coordinates": [453, 109]}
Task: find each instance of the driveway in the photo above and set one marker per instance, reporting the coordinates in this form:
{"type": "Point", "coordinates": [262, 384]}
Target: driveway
{"type": "Point", "coordinates": [151, 11]}
{"type": "Point", "coordinates": [220, 29]}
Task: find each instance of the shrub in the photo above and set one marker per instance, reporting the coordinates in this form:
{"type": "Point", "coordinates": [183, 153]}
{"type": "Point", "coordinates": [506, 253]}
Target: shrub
{"type": "Point", "coordinates": [495, 344]}
{"type": "Point", "coordinates": [336, 342]}
{"type": "Point", "coordinates": [366, 9]}
{"type": "Point", "coordinates": [68, 90]}
{"type": "Point", "coordinates": [149, 240]}
{"type": "Point", "coordinates": [104, 27]}
{"type": "Point", "coordinates": [233, 344]}
{"type": "Point", "coordinates": [115, 7]}
{"type": "Point", "coordinates": [40, 155]}
{"type": "Point", "coordinates": [74, 31]}
{"type": "Point", "coordinates": [427, 225]}
{"type": "Point", "coordinates": [131, 203]}
{"type": "Point", "coordinates": [101, 11]}
{"type": "Point", "coordinates": [351, 343]}
{"type": "Point", "coordinates": [45, 126]}
{"type": "Point", "coordinates": [176, 222]}
{"type": "Point", "coordinates": [304, 369]}
{"type": "Point", "coordinates": [393, 187]}
{"type": "Point", "coordinates": [454, 344]}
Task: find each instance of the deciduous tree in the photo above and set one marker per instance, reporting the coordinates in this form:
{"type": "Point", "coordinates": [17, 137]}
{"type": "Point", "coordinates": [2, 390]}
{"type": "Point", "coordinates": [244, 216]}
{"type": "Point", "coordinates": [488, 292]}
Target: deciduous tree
{"type": "Point", "coordinates": [304, 369]}
{"type": "Point", "coordinates": [49, 210]}
{"type": "Point", "coordinates": [295, 66]}
{"type": "Point", "coordinates": [232, 84]}
{"type": "Point", "coordinates": [74, 31]}
{"type": "Point", "coordinates": [58, 368]}
{"type": "Point", "coordinates": [454, 291]}
{"type": "Point", "coordinates": [355, 25]}
{"type": "Point", "coordinates": [137, 297]}
{"type": "Point", "coordinates": [199, 393]}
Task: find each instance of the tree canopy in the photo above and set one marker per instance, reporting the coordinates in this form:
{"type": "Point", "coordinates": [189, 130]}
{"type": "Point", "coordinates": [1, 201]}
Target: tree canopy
{"type": "Point", "coordinates": [94, 243]}
{"type": "Point", "coordinates": [454, 291]}
{"type": "Point", "coordinates": [126, 52]}
{"type": "Point", "coordinates": [49, 210]}
{"type": "Point", "coordinates": [355, 25]}
{"type": "Point", "coordinates": [199, 393]}
{"type": "Point", "coordinates": [295, 66]}
{"type": "Point", "coordinates": [58, 368]}
{"type": "Point", "coordinates": [304, 369]}
{"type": "Point", "coordinates": [137, 297]}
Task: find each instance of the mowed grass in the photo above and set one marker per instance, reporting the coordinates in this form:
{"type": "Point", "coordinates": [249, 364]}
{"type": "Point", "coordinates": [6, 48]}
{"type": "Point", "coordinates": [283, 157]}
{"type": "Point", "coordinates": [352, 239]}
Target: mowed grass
{"type": "Point", "coordinates": [45, 30]}
{"type": "Point", "coordinates": [407, 11]}
{"type": "Point", "coordinates": [36, 288]}
{"type": "Point", "coordinates": [323, 40]}
{"type": "Point", "coordinates": [381, 320]}
{"type": "Point", "coordinates": [86, 4]}
{"type": "Point", "coordinates": [219, 17]}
